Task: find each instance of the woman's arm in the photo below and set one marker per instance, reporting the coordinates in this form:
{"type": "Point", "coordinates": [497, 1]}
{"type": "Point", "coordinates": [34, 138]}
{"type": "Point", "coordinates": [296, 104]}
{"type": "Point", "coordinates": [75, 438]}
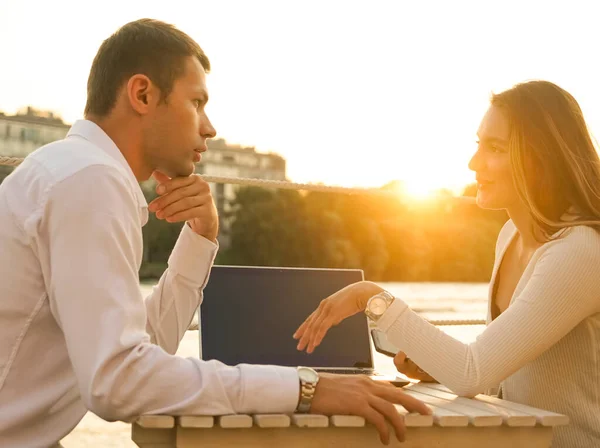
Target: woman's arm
{"type": "Point", "coordinates": [564, 289]}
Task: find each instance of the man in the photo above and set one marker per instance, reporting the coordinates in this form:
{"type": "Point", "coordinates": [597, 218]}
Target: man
{"type": "Point", "coordinates": [76, 333]}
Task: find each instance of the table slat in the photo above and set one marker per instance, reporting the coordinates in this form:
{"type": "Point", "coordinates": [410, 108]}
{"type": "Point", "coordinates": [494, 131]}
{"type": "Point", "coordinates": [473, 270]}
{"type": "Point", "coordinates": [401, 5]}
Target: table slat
{"type": "Point", "coordinates": [347, 421]}
{"type": "Point", "coordinates": [413, 419]}
{"type": "Point", "coordinates": [156, 421]}
{"type": "Point", "coordinates": [510, 417]}
{"type": "Point", "coordinates": [476, 417]}
{"type": "Point", "coordinates": [235, 421]}
{"type": "Point", "coordinates": [196, 421]}
{"type": "Point", "coordinates": [543, 417]}
{"type": "Point", "coordinates": [310, 420]}
{"type": "Point", "coordinates": [272, 420]}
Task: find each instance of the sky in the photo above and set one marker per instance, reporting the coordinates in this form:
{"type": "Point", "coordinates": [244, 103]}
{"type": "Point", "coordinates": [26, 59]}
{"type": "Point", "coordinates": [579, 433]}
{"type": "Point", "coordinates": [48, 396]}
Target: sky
{"type": "Point", "coordinates": [352, 93]}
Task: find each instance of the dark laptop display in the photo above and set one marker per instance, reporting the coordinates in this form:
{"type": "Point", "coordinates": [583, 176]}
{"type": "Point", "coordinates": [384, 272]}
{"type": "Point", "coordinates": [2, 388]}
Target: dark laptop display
{"type": "Point", "coordinates": [249, 315]}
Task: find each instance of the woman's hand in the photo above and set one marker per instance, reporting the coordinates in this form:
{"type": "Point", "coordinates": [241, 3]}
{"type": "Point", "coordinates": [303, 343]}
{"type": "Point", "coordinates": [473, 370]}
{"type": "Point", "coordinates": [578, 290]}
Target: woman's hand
{"type": "Point", "coordinates": [332, 310]}
{"type": "Point", "coordinates": [407, 367]}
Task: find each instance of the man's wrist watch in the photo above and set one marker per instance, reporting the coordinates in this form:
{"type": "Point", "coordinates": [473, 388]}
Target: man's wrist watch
{"type": "Point", "coordinates": [378, 304]}
{"type": "Point", "coordinates": [308, 383]}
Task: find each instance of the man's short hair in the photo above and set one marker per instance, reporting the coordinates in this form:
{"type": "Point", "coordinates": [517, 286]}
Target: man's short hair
{"type": "Point", "coordinates": [146, 46]}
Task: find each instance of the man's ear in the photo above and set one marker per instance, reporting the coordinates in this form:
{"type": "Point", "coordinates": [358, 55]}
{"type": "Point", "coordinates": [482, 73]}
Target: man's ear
{"type": "Point", "coordinates": [142, 94]}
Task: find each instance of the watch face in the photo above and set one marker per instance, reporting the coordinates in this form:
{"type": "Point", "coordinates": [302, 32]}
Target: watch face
{"type": "Point", "coordinates": [377, 306]}
{"type": "Point", "coordinates": [308, 375]}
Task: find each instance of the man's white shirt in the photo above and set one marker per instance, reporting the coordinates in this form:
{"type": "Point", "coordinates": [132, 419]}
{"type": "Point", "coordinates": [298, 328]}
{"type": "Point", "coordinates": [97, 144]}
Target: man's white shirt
{"type": "Point", "coordinates": [76, 332]}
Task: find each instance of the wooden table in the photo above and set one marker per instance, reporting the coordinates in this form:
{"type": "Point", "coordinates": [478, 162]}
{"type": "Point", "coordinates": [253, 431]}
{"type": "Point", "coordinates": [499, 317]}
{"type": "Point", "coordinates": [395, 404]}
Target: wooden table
{"type": "Point", "coordinates": [456, 422]}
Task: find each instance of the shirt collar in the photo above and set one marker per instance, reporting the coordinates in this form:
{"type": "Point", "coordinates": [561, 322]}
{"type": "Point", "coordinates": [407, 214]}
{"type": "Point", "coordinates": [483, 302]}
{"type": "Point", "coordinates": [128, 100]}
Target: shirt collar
{"type": "Point", "coordinates": [94, 134]}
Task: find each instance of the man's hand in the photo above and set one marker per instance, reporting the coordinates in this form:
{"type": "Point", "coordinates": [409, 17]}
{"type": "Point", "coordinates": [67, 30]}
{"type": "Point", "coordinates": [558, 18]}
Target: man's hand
{"type": "Point", "coordinates": [186, 199]}
{"type": "Point", "coordinates": [373, 400]}
{"type": "Point", "coordinates": [407, 367]}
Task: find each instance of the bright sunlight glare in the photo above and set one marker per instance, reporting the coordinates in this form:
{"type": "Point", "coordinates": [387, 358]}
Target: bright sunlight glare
{"type": "Point", "coordinates": [419, 189]}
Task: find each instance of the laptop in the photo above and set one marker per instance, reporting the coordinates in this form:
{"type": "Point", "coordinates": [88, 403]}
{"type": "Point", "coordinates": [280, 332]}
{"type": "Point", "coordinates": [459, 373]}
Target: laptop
{"type": "Point", "coordinates": [249, 315]}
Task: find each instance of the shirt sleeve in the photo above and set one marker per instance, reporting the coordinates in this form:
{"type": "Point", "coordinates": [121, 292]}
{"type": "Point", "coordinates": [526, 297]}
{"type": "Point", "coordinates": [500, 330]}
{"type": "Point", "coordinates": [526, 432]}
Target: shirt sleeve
{"type": "Point", "coordinates": [89, 232]}
{"type": "Point", "coordinates": [562, 291]}
{"type": "Point", "coordinates": [174, 300]}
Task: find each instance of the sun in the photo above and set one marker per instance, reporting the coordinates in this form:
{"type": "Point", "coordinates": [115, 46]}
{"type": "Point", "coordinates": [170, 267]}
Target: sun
{"type": "Point", "coordinates": [415, 189]}
{"type": "Point", "coordinates": [419, 190]}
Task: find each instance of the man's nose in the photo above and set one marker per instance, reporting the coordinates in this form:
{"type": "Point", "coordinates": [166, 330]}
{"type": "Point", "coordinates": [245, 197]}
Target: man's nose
{"type": "Point", "coordinates": [206, 129]}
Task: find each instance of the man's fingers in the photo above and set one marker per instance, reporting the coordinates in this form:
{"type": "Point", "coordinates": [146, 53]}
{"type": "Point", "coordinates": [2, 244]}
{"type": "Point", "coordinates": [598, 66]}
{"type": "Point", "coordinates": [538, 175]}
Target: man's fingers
{"type": "Point", "coordinates": [161, 178]}
{"type": "Point", "coordinates": [177, 182]}
{"type": "Point", "coordinates": [191, 190]}
{"type": "Point", "coordinates": [376, 419]}
{"type": "Point", "coordinates": [388, 410]}
{"type": "Point", "coordinates": [185, 215]}
{"type": "Point", "coordinates": [182, 205]}
{"type": "Point", "coordinates": [411, 404]}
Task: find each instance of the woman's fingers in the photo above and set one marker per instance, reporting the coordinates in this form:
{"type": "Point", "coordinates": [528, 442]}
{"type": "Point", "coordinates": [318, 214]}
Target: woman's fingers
{"type": "Point", "coordinates": [320, 330]}
{"type": "Point", "coordinates": [302, 328]}
{"type": "Point", "coordinates": [408, 367]}
{"type": "Point", "coordinates": [308, 331]}
{"type": "Point", "coordinates": [315, 327]}
{"type": "Point", "coordinates": [399, 360]}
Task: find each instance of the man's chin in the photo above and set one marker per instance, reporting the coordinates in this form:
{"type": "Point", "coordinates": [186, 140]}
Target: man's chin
{"type": "Point", "coordinates": [180, 171]}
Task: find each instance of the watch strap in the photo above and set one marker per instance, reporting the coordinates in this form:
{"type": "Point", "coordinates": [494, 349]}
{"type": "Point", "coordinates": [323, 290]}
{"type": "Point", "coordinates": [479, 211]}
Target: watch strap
{"type": "Point", "coordinates": [307, 392]}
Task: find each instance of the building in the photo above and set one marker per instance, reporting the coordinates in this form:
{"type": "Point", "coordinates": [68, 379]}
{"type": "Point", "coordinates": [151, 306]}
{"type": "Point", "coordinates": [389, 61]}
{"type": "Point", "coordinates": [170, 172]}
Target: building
{"type": "Point", "coordinates": [29, 129]}
{"type": "Point", "coordinates": [227, 160]}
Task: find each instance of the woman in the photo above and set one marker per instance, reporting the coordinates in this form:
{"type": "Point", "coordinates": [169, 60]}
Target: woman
{"type": "Point", "coordinates": [535, 158]}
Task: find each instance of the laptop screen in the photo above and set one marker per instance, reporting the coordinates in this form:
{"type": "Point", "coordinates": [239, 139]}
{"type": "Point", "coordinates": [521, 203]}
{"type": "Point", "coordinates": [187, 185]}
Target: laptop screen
{"type": "Point", "coordinates": [249, 315]}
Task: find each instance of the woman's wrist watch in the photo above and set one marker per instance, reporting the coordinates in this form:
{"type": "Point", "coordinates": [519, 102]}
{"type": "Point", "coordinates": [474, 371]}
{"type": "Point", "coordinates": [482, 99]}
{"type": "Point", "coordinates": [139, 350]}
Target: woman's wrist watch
{"type": "Point", "coordinates": [308, 383]}
{"type": "Point", "coordinates": [378, 304]}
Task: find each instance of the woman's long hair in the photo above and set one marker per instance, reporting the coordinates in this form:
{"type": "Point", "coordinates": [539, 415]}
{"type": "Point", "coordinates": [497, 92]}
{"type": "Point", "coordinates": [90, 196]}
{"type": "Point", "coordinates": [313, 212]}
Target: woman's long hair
{"type": "Point", "coordinates": [555, 166]}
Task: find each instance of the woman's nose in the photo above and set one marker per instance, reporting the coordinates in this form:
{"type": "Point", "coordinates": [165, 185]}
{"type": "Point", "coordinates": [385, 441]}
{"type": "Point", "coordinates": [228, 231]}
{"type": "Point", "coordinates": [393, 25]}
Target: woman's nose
{"type": "Point", "coordinates": [476, 162]}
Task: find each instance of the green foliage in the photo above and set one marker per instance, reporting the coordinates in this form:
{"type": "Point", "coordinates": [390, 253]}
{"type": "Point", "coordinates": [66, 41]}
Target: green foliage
{"type": "Point", "coordinates": [441, 240]}
{"type": "Point", "coordinates": [390, 238]}
{"type": "Point", "coordinates": [5, 171]}
{"type": "Point", "coordinates": [159, 238]}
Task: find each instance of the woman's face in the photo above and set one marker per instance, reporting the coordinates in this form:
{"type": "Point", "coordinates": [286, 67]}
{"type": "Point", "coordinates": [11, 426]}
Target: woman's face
{"type": "Point", "coordinates": [491, 163]}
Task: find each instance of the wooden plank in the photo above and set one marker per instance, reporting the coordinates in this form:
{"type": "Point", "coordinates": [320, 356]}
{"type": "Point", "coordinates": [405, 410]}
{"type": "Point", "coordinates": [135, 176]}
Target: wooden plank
{"type": "Point", "coordinates": [543, 417]}
{"type": "Point", "coordinates": [433, 436]}
{"type": "Point", "coordinates": [196, 421]}
{"type": "Point", "coordinates": [476, 417]}
{"type": "Point", "coordinates": [509, 417]}
{"type": "Point", "coordinates": [414, 420]}
{"type": "Point", "coordinates": [156, 421]}
{"type": "Point", "coordinates": [272, 420]}
{"type": "Point", "coordinates": [310, 421]}
{"type": "Point", "coordinates": [347, 421]}
{"type": "Point", "coordinates": [235, 421]}
{"type": "Point", "coordinates": [153, 437]}
{"type": "Point", "coordinates": [446, 418]}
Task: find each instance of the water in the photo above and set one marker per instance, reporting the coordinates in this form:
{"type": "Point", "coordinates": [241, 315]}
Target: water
{"type": "Point", "coordinates": [431, 300]}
